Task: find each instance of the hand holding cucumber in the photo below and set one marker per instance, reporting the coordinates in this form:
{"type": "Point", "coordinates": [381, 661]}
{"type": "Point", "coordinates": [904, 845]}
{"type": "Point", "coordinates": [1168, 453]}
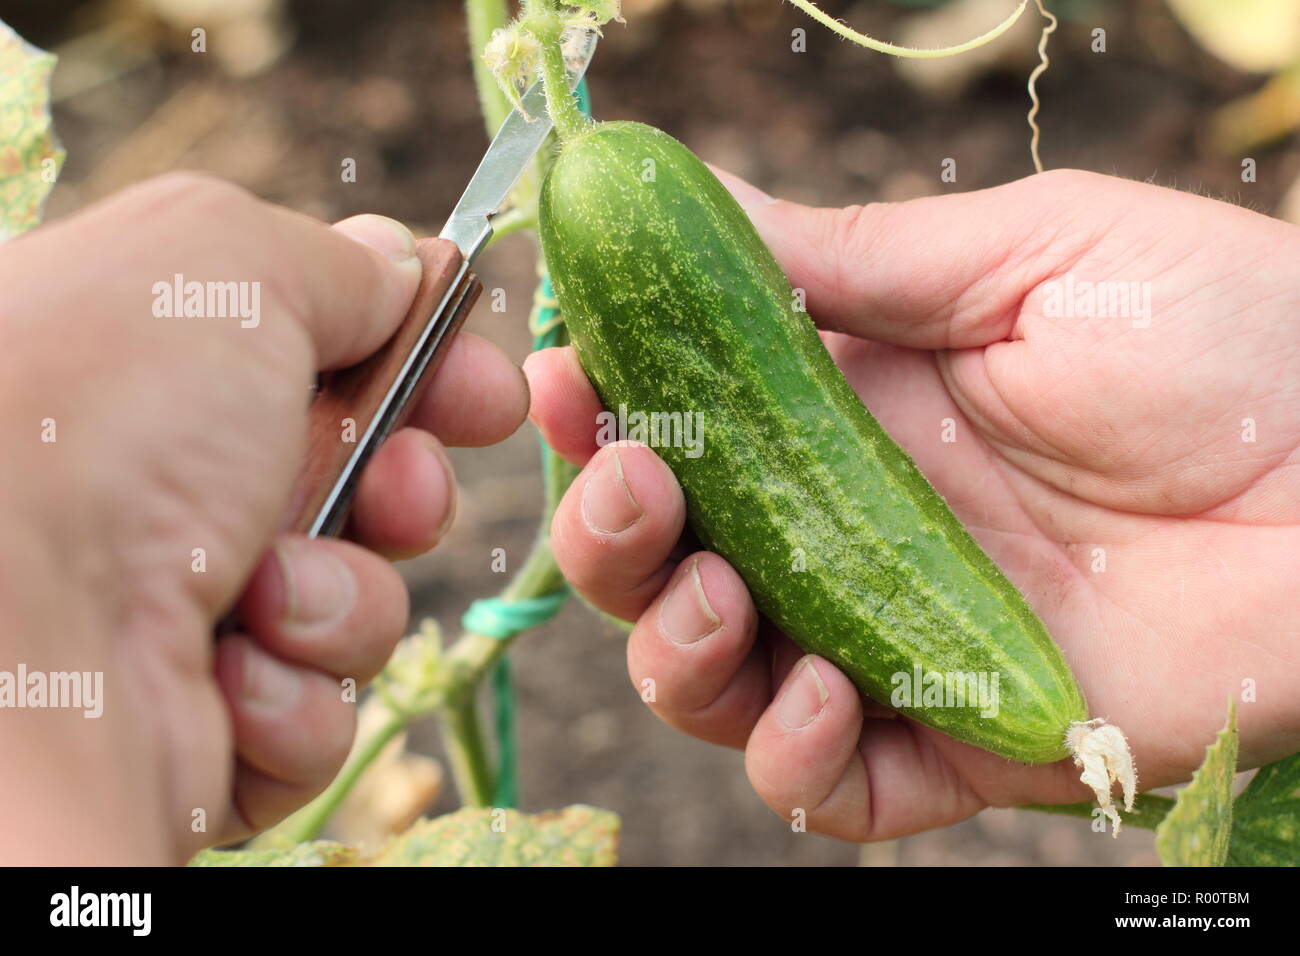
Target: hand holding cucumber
{"type": "Point", "coordinates": [1132, 471]}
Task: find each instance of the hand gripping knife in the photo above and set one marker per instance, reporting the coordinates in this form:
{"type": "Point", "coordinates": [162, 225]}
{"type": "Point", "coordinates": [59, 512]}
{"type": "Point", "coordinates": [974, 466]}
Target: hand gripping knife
{"type": "Point", "coordinates": [378, 394]}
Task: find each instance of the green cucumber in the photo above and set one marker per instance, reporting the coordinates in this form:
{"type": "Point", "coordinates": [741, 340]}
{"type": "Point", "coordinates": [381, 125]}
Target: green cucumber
{"type": "Point", "coordinates": [675, 305]}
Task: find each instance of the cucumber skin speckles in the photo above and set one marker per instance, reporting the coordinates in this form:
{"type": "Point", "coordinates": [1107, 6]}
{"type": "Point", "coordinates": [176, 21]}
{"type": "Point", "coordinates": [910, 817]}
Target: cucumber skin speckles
{"type": "Point", "coordinates": [674, 304]}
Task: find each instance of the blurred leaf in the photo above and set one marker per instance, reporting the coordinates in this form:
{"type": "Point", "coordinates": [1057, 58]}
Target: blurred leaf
{"type": "Point", "coordinates": [574, 836]}
{"type": "Point", "coordinates": [1261, 117]}
{"type": "Point", "coordinates": [957, 22]}
{"type": "Point", "coordinates": [27, 138]}
{"type": "Point", "coordinates": [1197, 830]}
{"type": "Point", "coordinates": [1266, 818]}
{"type": "Point", "coordinates": [319, 853]}
{"type": "Point", "coordinates": [1289, 209]}
{"type": "Point", "coordinates": [1256, 36]}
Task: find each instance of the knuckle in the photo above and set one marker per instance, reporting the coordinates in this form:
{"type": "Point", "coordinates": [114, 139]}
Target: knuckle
{"type": "Point", "coordinates": [849, 235]}
{"type": "Point", "coordinates": [852, 227]}
{"type": "Point", "coordinates": [1057, 182]}
{"type": "Point", "coordinates": [185, 190]}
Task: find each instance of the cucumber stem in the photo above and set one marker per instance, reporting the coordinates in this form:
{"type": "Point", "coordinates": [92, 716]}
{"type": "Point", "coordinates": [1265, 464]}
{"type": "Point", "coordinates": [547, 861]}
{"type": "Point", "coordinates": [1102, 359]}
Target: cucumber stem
{"type": "Point", "coordinates": [560, 103]}
{"type": "Point", "coordinates": [1148, 810]}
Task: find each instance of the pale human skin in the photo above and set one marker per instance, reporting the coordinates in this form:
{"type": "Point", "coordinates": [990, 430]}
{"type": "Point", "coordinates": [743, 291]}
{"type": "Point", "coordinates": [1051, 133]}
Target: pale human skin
{"type": "Point", "coordinates": [174, 434]}
{"type": "Point", "coordinates": [1072, 434]}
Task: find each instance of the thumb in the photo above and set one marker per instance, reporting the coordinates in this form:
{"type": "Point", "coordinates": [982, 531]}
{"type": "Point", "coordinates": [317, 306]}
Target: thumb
{"type": "Point", "coordinates": [944, 272]}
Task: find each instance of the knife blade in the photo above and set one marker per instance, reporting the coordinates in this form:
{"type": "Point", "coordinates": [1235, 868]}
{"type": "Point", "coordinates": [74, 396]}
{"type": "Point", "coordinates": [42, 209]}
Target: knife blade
{"type": "Point", "coordinates": [356, 408]}
{"type": "Point", "coordinates": [512, 149]}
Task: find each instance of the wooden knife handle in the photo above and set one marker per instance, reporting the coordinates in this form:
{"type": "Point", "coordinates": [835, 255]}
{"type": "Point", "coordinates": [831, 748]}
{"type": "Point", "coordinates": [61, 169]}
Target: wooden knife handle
{"type": "Point", "coordinates": [340, 436]}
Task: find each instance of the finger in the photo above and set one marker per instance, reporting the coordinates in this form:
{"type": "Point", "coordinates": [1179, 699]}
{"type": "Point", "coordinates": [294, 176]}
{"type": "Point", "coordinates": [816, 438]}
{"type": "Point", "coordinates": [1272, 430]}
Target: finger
{"type": "Point", "coordinates": [802, 756]}
{"type": "Point", "coordinates": [812, 755]}
{"type": "Point", "coordinates": [477, 397]}
{"type": "Point", "coordinates": [325, 604]}
{"type": "Point", "coordinates": [692, 656]}
{"type": "Point", "coordinates": [380, 284]}
{"type": "Point", "coordinates": [292, 725]}
{"type": "Point", "coordinates": [259, 800]}
{"type": "Point", "coordinates": [564, 403]}
{"type": "Point", "coordinates": [349, 296]}
{"type": "Point", "coordinates": [616, 527]}
{"type": "Point", "coordinates": [406, 498]}
{"type": "Point", "coordinates": [345, 289]}
{"type": "Point", "coordinates": [786, 655]}
{"type": "Point", "coordinates": [943, 272]}
{"type": "Point", "coordinates": [1001, 783]}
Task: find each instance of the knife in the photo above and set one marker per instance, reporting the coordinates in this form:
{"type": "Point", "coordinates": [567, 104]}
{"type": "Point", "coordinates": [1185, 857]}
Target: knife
{"type": "Point", "coordinates": [369, 400]}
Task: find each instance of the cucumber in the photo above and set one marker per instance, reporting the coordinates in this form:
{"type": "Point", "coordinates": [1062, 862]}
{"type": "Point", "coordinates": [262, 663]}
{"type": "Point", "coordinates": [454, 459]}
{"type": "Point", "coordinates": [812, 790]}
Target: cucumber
{"type": "Point", "coordinates": [675, 305]}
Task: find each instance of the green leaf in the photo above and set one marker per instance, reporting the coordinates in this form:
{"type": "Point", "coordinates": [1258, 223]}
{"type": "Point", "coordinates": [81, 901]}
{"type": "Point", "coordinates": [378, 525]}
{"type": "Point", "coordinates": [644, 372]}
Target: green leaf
{"type": "Point", "coordinates": [1196, 832]}
{"type": "Point", "coordinates": [30, 157]}
{"type": "Point", "coordinates": [319, 853]}
{"type": "Point", "coordinates": [1266, 818]}
{"type": "Point", "coordinates": [574, 836]}
{"type": "Point", "coordinates": [477, 836]}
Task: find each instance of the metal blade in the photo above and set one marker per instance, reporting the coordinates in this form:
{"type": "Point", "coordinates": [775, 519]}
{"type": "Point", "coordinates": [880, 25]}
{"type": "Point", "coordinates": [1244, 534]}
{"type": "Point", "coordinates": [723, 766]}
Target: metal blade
{"type": "Point", "coordinates": [511, 151]}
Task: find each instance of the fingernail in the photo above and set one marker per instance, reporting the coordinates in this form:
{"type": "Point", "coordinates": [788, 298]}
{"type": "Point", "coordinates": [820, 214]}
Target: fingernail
{"type": "Point", "coordinates": [386, 236]}
{"type": "Point", "coordinates": [453, 493]}
{"type": "Point", "coordinates": [685, 615]}
{"type": "Point", "coordinates": [319, 587]}
{"type": "Point", "coordinates": [607, 503]}
{"type": "Point", "coordinates": [268, 684]}
{"type": "Point", "coordinates": [803, 698]}
{"type": "Point", "coordinates": [746, 194]}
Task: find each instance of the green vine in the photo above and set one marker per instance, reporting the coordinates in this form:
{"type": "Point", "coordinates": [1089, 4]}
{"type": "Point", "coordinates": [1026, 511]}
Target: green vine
{"type": "Point", "coordinates": [906, 52]}
{"type": "Point", "coordinates": [569, 122]}
{"type": "Point", "coordinates": [484, 18]}
{"type": "Point", "coordinates": [844, 30]}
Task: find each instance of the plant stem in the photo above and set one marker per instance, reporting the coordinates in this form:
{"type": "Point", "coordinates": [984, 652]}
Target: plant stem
{"type": "Point", "coordinates": [311, 819]}
{"type": "Point", "coordinates": [1148, 810]}
{"type": "Point", "coordinates": [484, 17]}
{"type": "Point", "coordinates": [568, 119]}
{"type": "Point", "coordinates": [473, 655]}
{"type": "Point", "coordinates": [539, 575]}
{"type": "Point", "coordinates": [515, 219]}
{"type": "Point", "coordinates": [466, 753]}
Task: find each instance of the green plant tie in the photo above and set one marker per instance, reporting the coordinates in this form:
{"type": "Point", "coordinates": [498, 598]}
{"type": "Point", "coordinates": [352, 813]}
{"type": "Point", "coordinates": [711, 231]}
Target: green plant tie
{"type": "Point", "coordinates": [501, 617]}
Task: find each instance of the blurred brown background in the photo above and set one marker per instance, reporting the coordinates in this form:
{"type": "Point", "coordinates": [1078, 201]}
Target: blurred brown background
{"type": "Point", "coordinates": [289, 89]}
